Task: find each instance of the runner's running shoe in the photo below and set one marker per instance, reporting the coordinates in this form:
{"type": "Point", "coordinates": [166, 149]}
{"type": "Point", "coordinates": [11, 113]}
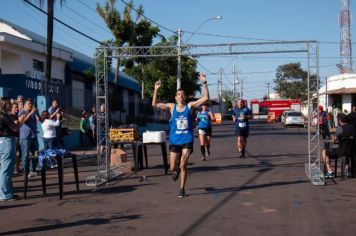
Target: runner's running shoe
{"type": "Point", "coordinates": [182, 193]}
{"type": "Point", "coordinates": [175, 174]}
{"type": "Point", "coordinates": [329, 175]}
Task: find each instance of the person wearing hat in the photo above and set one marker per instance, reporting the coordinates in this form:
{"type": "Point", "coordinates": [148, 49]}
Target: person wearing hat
{"type": "Point", "coordinates": [240, 116]}
{"type": "Point", "coordinates": [204, 119]}
{"type": "Point", "coordinates": [181, 130]}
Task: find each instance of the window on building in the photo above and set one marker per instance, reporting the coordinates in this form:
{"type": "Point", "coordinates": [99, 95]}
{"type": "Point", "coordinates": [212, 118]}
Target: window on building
{"type": "Point", "coordinates": [38, 65]}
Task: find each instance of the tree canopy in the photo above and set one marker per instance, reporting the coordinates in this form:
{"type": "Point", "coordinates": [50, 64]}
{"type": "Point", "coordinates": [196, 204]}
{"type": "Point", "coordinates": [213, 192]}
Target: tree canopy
{"type": "Point", "coordinates": [140, 32]}
{"type": "Point", "coordinates": [165, 69]}
{"type": "Point", "coordinates": [292, 81]}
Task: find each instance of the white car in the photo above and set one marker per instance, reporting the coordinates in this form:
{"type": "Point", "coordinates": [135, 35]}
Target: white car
{"type": "Point", "coordinates": [293, 118]}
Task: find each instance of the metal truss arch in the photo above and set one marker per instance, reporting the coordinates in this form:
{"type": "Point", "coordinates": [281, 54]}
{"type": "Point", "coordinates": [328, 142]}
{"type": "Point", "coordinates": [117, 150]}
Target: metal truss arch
{"type": "Point", "coordinates": [309, 48]}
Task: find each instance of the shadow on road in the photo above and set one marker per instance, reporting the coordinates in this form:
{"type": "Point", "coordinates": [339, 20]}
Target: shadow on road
{"type": "Point", "coordinates": [58, 225]}
{"type": "Point", "coordinates": [14, 206]}
{"type": "Point", "coordinates": [233, 191]}
{"type": "Point", "coordinates": [212, 190]}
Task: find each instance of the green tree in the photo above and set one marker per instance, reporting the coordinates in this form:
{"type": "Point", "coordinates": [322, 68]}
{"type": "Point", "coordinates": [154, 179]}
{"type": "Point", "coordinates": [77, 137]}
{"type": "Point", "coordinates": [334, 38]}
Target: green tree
{"type": "Point", "coordinates": [125, 30]}
{"type": "Point", "coordinates": [165, 69]}
{"type": "Point", "coordinates": [228, 97]}
{"type": "Point", "coordinates": [292, 81]}
{"type": "Point", "coordinates": [50, 17]}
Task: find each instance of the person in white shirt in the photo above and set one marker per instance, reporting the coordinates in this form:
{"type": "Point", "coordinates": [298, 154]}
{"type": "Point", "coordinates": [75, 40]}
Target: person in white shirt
{"type": "Point", "coordinates": [49, 129]}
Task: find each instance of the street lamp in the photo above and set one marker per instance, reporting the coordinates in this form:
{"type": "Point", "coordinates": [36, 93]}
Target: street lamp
{"type": "Point", "coordinates": [179, 49]}
{"type": "Point", "coordinates": [213, 18]}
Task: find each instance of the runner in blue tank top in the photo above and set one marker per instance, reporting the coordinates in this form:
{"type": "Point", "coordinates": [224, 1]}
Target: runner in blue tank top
{"type": "Point", "coordinates": [181, 134]}
{"type": "Point", "coordinates": [241, 116]}
{"type": "Point", "coordinates": [204, 119]}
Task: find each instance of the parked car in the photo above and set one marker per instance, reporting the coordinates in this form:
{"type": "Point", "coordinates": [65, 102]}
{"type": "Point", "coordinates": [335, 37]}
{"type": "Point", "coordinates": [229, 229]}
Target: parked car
{"type": "Point", "coordinates": [283, 117]}
{"type": "Point", "coordinates": [293, 118]}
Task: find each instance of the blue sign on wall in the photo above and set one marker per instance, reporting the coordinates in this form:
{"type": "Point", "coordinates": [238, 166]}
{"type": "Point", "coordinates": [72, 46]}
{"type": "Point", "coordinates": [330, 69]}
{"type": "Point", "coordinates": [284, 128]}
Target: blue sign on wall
{"type": "Point", "coordinates": [19, 84]}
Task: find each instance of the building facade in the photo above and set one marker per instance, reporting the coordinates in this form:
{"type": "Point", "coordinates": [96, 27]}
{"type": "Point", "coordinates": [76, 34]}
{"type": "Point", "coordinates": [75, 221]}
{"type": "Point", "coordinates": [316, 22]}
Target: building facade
{"type": "Point", "coordinates": [339, 92]}
{"type": "Point", "coordinates": [22, 72]}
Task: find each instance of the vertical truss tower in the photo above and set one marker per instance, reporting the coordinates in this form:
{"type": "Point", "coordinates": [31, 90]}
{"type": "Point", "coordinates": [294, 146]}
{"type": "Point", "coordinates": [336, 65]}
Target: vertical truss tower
{"type": "Point", "coordinates": [345, 38]}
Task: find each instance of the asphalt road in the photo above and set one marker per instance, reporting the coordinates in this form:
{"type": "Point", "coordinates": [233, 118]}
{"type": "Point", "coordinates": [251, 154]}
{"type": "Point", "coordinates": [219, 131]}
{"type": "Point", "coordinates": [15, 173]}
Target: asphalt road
{"type": "Point", "coordinates": [267, 193]}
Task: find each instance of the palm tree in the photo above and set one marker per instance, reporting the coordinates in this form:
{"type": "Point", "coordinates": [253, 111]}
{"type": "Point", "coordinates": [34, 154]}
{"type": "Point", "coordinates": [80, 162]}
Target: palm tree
{"type": "Point", "coordinates": [122, 27]}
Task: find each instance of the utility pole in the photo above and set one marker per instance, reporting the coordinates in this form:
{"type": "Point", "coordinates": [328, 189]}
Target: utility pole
{"type": "Point", "coordinates": [242, 89]}
{"type": "Point", "coordinates": [179, 61]}
{"type": "Point", "coordinates": [268, 91]}
{"type": "Point", "coordinates": [220, 90]}
{"type": "Point", "coordinates": [143, 84]}
{"type": "Point", "coordinates": [326, 92]}
{"type": "Point", "coordinates": [142, 90]}
{"type": "Point", "coordinates": [234, 74]}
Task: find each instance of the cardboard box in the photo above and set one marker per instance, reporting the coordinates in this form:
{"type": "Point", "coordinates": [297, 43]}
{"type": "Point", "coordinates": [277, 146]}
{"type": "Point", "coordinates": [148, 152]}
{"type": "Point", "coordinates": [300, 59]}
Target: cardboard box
{"type": "Point", "coordinates": [118, 156]}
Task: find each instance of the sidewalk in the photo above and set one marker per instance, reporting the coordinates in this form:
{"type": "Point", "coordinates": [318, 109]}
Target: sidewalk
{"type": "Point", "coordinates": [84, 152]}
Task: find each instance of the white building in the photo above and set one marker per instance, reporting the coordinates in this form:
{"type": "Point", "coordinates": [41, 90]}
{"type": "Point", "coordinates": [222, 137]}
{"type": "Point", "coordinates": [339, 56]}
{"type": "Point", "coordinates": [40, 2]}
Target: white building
{"type": "Point", "coordinates": [22, 71]}
{"type": "Point", "coordinates": [339, 91]}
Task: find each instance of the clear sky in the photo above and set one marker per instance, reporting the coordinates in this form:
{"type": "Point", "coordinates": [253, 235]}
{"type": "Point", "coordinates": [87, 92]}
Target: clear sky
{"type": "Point", "coordinates": [258, 19]}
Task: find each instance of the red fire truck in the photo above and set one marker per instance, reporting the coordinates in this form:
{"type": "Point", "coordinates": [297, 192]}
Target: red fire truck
{"type": "Point", "coordinates": [274, 106]}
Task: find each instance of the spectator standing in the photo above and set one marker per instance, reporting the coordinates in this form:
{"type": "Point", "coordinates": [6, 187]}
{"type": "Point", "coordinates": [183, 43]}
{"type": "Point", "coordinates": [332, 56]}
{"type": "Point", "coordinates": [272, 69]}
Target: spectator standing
{"type": "Point", "coordinates": [92, 128]}
{"type": "Point", "coordinates": [20, 102]}
{"type": "Point", "coordinates": [335, 115]}
{"type": "Point", "coordinates": [352, 117]}
{"type": "Point", "coordinates": [14, 117]}
{"type": "Point", "coordinates": [53, 111]}
{"type": "Point", "coordinates": [28, 134]}
{"type": "Point", "coordinates": [8, 129]}
{"type": "Point", "coordinates": [49, 129]}
{"type": "Point", "coordinates": [83, 126]}
{"type": "Point", "coordinates": [324, 122]}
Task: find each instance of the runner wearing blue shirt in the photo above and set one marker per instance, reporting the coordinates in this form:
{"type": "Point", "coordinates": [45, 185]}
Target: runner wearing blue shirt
{"type": "Point", "coordinates": [204, 119]}
{"type": "Point", "coordinates": [181, 130]}
{"type": "Point", "coordinates": [241, 116]}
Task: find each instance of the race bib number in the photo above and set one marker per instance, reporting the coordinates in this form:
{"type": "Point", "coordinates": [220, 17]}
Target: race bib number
{"type": "Point", "coordinates": [182, 123]}
{"type": "Point", "coordinates": [242, 124]}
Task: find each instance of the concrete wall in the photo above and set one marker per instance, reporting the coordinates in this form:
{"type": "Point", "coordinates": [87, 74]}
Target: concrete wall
{"type": "Point", "coordinates": [10, 63]}
{"type": "Point", "coordinates": [16, 60]}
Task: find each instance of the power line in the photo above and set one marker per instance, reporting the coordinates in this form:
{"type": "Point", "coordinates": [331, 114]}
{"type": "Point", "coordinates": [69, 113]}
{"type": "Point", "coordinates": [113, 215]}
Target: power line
{"type": "Point", "coordinates": [249, 73]}
{"type": "Point", "coordinates": [68, 26]}
{"type": "Point", "coordinates": [87, 6]}
{"type": "Point", "coordinates": [40, 22]}
{"type": "Point", "coordinates": [81, 23]}
{"type": "Point", "coordinates": [252, 38]}
{"type": "Point", "coordinates": [77, 13]}
{"type": "Point", "coordinates": [231, 36]}
{"type": "Point", "coordinates": [205, 68]}
{"type": "Point", "coordinates": [227, 78]}
{"type": "Point", "coordinates": [152, 21]}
